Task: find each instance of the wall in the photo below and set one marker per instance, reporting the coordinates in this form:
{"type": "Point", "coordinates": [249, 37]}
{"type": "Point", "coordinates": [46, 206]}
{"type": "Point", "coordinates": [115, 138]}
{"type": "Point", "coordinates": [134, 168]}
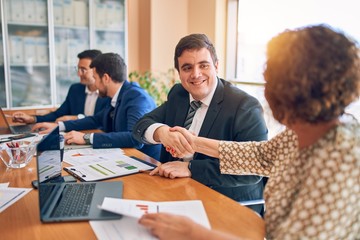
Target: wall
{"type": "Point", "coordinates": [133, 15]}
{"type": "Point", "coordinates": [169, 23]}
{"type": "Point", "coordinates": [139, 30]}
{"type": "Point", "coordinates": [155, 27]}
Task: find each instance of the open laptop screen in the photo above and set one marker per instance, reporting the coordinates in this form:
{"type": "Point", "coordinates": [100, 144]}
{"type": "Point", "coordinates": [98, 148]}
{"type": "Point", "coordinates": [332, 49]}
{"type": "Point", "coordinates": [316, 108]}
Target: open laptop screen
{"type": "Point", "coordinates": [49, 156]}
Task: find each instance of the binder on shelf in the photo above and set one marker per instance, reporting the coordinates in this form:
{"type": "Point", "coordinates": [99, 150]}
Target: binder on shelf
{"type": "Point", "coordinates": [73, 46]}
{"type": "Point", "coordinates": [100, 15]}
{"type": "Point", "coordinates": [70, 51]}
{"type": "Point", "coordinates": [41, 11]}
{"type": "Point", "coordinates": [60, 53]}
{"type": "Point", "coordinates": [80, 13]}
{"type": "Point", "coordinates": [29, 50]}
{"type": "Point", "coordinates": [110, 15]}
{"type": "Point", "coordinates": [29, 13]}
{"type": "Point", "coordinates": [16, 10]}
{"type": "Point", "coordinates": [58, 12]}
{"type": "Point", "coordinates": [16, 49]}
{"type": "Point", "coordinates": [42, 50]}
{"type": "Point", "coordinates": [68, 13]}
{"type": "Point", "coordinates": [118, 16]}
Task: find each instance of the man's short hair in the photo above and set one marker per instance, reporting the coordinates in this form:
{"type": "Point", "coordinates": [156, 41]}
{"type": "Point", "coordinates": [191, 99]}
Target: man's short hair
{"type": "Point", "coordinates": [112, 64]}
{"type": "Point", "coordinates": [91, 54]}
{"type": "Point", "coordinates": [194, 41]}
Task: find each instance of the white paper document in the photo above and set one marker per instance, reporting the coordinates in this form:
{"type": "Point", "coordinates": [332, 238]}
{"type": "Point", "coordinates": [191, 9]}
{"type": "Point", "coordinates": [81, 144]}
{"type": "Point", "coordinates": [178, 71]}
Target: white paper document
{"type": "Point", "coordinates": [128, 227]}
{"type": "Point", "coordinates": [9, 196]}
{"type": "Point", "coordinates": [193, 209]}
{"type": "Point", "coordinates": [104, 167]}
{"type": "Point", "coordinates": [89, 155]}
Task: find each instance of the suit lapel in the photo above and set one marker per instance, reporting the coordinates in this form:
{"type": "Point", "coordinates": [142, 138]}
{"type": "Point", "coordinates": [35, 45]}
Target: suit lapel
{"type": "Point", "coordinates": [181, 108]}
{"type": "Point", "coordinates": [107, 119]}
{"type": "Point", "coordinates": [123, 89]}
{"type": "Point", "coordinates": [82, 99]}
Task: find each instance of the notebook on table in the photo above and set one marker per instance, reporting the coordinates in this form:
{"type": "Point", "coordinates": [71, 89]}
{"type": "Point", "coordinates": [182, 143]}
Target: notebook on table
{"type": "Point", "coordinates": [65, 201]}
{"type": "Point", "coordinates": [14, 129]}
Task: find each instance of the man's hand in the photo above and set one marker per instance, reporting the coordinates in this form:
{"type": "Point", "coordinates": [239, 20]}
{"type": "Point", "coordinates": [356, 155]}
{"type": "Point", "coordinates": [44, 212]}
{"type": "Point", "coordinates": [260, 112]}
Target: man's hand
{"type": "Point", "coordinates": [66, 118]}
{"type": "Point", "coordinates": [22, 118]}
{"type": "Point", "coordinates": [174, 140]}
{"type": "Point", "coordinates": [44, 127]}
{"type": "Point", "coordinates": [74, 137]}
{"type": "Point", "coordinates": [190, 138]}
{"type": "Point", "coordinates": [172, 170]}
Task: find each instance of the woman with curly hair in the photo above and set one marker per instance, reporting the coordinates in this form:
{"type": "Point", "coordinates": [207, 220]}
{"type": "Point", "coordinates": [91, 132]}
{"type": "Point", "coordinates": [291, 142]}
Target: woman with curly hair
{"type": "Point", "coordinates": [312, 74]}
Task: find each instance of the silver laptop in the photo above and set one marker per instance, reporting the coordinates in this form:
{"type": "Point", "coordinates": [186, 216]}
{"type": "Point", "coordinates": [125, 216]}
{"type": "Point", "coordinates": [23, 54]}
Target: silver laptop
{"type": "Point", "coordinates": [65, 201]}
{"type": "Point", "coordinates": [15, 129]}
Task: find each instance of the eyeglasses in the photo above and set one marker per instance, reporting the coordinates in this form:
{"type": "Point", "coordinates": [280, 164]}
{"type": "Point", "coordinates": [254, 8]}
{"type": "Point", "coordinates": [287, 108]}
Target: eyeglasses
{"type": "Point", "coordinates": [81, 70]}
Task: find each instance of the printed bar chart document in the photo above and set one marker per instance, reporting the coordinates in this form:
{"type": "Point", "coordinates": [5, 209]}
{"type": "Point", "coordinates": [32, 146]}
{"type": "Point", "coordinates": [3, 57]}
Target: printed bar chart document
{"type": "Point", "coordinates": [90, 155]}
{"type": "Point", "coordinates": [101, 170]}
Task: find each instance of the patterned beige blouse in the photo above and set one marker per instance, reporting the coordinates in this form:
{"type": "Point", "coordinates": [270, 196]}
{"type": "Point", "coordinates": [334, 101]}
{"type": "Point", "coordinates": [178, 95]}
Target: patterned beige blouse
{"type": "Point", "coordinates": [311, 194]}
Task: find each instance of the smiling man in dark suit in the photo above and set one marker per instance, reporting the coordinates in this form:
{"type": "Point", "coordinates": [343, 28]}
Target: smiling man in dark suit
{"type": "Point", "coordinates": [223, 112]}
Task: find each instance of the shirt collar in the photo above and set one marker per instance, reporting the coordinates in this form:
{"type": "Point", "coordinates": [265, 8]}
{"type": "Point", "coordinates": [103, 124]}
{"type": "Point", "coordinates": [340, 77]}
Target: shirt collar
{"type": "Point", "coordinates": [87, 91]}
{"type": "Point", "coordinates": [115, 97]}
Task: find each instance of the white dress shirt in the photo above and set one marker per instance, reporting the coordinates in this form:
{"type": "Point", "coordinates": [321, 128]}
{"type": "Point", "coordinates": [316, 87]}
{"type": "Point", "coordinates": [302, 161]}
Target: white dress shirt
{"type": "Point", "coordinates": [90, 101]}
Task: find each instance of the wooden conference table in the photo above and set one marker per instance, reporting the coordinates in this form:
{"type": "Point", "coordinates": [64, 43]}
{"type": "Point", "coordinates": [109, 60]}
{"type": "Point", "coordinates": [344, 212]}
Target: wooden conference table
{"type": "Point", "coordinates": [21, 220]}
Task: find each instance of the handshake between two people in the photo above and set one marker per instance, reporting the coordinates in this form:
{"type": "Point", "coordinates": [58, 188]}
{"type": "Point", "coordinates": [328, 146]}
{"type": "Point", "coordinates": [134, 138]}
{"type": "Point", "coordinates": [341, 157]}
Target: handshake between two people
{"type": "Point", "coordinates": [178, 141]}
{"type": "Point", "coordinates": [181, 143]}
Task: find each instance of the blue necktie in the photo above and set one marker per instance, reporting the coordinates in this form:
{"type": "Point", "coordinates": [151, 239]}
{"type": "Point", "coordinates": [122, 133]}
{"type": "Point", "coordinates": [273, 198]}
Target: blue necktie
{"type": "Point", "coordinates": [194, 105]}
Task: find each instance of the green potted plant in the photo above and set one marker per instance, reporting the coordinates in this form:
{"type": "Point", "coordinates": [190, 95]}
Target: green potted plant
{"type": "Point", "coordinates": [157, 84]}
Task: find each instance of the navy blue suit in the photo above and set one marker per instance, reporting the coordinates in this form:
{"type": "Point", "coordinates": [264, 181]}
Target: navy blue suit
{"type": "Point", "coordinates": [232, 115]}
{"type": "Point", "coordinates": [74, 104]}
{"type": "Point", "coordinates": [132, 103]}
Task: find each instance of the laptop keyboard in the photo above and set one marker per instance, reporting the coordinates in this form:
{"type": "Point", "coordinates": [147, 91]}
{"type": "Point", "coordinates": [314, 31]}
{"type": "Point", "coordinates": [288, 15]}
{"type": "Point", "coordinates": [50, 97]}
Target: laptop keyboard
{"type": "Point", "coordinates": [75, 200]}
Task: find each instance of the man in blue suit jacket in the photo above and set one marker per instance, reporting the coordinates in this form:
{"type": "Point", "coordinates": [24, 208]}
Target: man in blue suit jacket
{"type": "Point", "coordinates": [82, 98]}
{"type": "Point", "coordinates": [129, 103]}
{"type": "Point", "coordinates": [226, 113]}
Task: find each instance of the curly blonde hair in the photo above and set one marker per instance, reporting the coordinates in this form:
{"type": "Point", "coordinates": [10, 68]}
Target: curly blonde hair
{"type": "Point", "coordinates": [311, 74]}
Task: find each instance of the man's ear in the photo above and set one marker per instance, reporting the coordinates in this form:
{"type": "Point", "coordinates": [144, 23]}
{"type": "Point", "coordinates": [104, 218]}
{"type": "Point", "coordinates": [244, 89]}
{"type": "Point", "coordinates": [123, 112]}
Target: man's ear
{"type": "Point", "coordinates": [106, 78]}
{"type": "Point", "coordinates": [216, 64]}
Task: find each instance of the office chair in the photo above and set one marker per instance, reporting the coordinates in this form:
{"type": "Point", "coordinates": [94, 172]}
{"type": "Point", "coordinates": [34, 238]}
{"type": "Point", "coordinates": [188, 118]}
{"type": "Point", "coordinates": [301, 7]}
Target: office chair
{"type": "Point", "coordinates": [257, 202]}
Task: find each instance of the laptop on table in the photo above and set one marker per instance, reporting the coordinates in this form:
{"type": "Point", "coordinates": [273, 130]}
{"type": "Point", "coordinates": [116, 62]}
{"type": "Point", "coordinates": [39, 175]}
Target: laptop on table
{"type": "Point", "coordinates": [6, 128]}
{"type": "Point", "coordinates": [65, 201]}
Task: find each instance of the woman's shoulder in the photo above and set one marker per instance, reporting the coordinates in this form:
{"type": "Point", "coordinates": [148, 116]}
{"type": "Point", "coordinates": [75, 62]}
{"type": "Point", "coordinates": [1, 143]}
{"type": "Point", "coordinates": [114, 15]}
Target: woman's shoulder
{"type": "Point", "coordinates": [348, 140]}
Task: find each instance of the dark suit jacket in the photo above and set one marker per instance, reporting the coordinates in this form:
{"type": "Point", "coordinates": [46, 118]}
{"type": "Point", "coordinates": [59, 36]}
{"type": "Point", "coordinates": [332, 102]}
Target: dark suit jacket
{"type": "Point", "coordinates": [232, 115]}
{"type": "Point", "coordinates": [74, 104]}
{"type": "Point", "coordinates": [132, 103]}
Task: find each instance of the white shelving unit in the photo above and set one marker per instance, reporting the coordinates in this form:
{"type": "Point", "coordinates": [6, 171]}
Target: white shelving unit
{"type": "Point", "coordinates": [40, 40]}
